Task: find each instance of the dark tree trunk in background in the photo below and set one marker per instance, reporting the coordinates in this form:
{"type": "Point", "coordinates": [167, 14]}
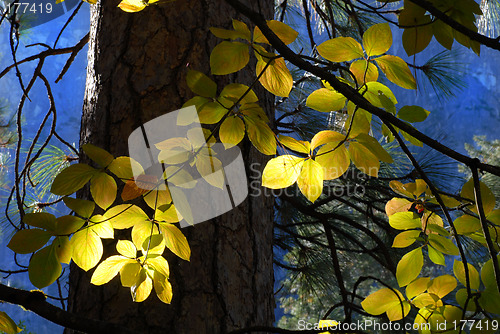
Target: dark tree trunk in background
{"type": "Point", "coordinates": [136, 72]}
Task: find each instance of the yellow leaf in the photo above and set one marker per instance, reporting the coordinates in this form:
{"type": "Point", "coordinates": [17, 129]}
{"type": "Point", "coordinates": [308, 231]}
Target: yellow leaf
{"type": "Point", "coordinates": [175, 241]}
{"type": "Point", "coordinates": [44, 268]}
{"type": "Point", "coordinates": [374, 90]}
{"type": "Point", "coordinates": [142, 288]}
{"type": "Point", "coordinates": [310, 180]}
{"type": "Point", "coordinates": [276, 77]}
{"type": "Point", "coordinates": [282, 171]}
{"type": "Point", "coordinates": [210, 168]}
{"type": "Point", "coordinates": [261, 136]}
{"type": "Point", "coordinates": [405, 239]}
{"type": "Point", "coordinates": [398, 311]}
{"type": "Point", "coordinates": [364, 71]}
{"type": "Point", "coordinates": [7, 325]}
{"type": "Point", "coordinates": [242, 28]}
{"type": "Point", "coordinates": [132, 6]}
{"type": "Point", "coordinates": [226, 34]}
{"type": "Point", "coordinates": [324, 137]}
{"type": "Point", "coordinates": [487, 196]}
{"type": "Point", "coordinates": [28, 241]}
{"type": "Point", "coordinates": [82, 207]}
{"type": "Point", "coordinates": [211, 113]}
{"type": "Point", "coordinates": [108, 269]}
{"type": "Point", "coordinates": [294, 144]}
{"type": "Point", "coordinates": [325, 100]}
{"type": "Point", "coordinates": [417, 287]}
{"type": "Point", "coordinates": [163, 288]}
{"type": "Point", "coordinates": [340, 49]}
{"type": "Point", "coordinates": [124, 167]}
{"type": "Point", "coordinates": [237, 92]}
{"type": "Point", "coordinates": [63, 249]}
{"type": "Point", "coordinates": [409, 267]}
{"type": "Point", "coordinates": [129, 274]}
{"type": "Point", "coordinates": [169, 215]}
{"type": "Point", "coordinates": [125, 216]}
{"type": "Point", "coordinates": [141, 231]}
{"type": "Point", "coordinates": [397, 205]}
{"type": "Point", "coordinates": [229, 57]}
{"type": "Point", "coordinates": [443, 244]}
{"type": "Point", "coordinates": [153, 245]}
{"type": "Point", "coordinates": [283, 31]}
{"type": "Point", "coordinates": [381, 300]}
{"type": "Point", "coordinates": [159, 264]}
{"type": "Point", "coordinates": [126, 248]}
{"type": "Point", "coordinates": [156, 198]}
{"type": "Point", "coordinates": [400, 188]}
{"type": "Point", "coordinates": [377, 39]}
{"type": "Point", "coordinates": [200, 84]}
{"type": "Point", "coordinates": [364, 160]}
{"type": "Point", "coordinates": [98, 155]}
{"type": "Point", "coordinates": [467, 224]}
{"type": "Point", "coordinates": [397, 71]}
{"type": "Point", "coordinates": [405, 221]}
{"type": "Point", "coordinates": [442, 285]}
{"type": "Point", "coordinates": [72, 179]}
{"type": "Point", "coordinates": [334, 162]}
{"type": "Point", "coordinates": [374, 147]}
{"type": "Point", "coordinates": [459, 271]}
{"type": "Point", "coordinates": [232, 131]}
{"type": "Point", "coordinates": [87, 249]}
{"type": "Point", "coordinates": [103, 189]}
{"type": "Point", "coordinates": [436, 256]}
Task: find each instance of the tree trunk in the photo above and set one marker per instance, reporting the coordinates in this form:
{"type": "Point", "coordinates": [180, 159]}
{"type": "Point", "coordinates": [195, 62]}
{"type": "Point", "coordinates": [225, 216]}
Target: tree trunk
{"type": "Point", "coordinates": [136, 72]}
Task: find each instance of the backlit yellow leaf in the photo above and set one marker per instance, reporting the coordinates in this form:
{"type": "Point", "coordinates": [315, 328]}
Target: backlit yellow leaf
{"type": "Point", "coordinates": [232, 131]}
{"type": "Point", "coordinates": [324, 137]}
{"type": "Point", "coordinates": [98, 155]}
{"type": "Point", "coordinates": [132, 6]}
{"type": "Point", "coordinates": [310, 180]}
{"type": "Point", "coordinates": [125, 216]}
{"type": "Point", "coordinates": [374, 147]}
{"type": "Point", "coordinates": [7, 325]}
{"type": "Point", "coordinates": [261, 136]}
{"type": "Point", "coordinates": [72, 179]}
{"type": "Point", "coordinates": [294, 144]}
{"type": "Point", "coordinates": [175, 241]}
{"type": "Point", "coordinates": [397, 71]}
{"type": "Point", "coordinates": [163, 288]}
{"type": "Point", "coordinates": [63, 249]}
{"type": "Point", "coordinates": [142, 288]}
{"type": "Point", "coordinates": [87, 249]}
{"type": "Point", "coordinates": [325, 100]}
{"type": "Point", "coordinates": [334, 160]}
{"type": "Point", "coordinates": [442, 285]}
{"type": "Point", "coordinates": [340, 49]}
{"type": "Point", "coordinates": [364, 71]}
{"type": "Point", "coordinates": [276, 77]}
{"type": "Point", "coordinates": [283, 31]}
{"type": "Point", "coordinates": [417, 287]}
{"type": "Point", "coordinates": [381, 300]}
{"type": "Point", "coordinates": [108, 269]}
{"type": "Point", "coordinates": [103, 189]}
{"type": "Point", "coordinates": [377, 39]}
{"type": "Point", "coordinates": [459, 271]}
{"type": "Point", "coordinates": [44, 268]}
{"type": "Point", "coordinates": [409, 267]}
{"type": "Point", "coordinates": [364, 160]}
{"type": "Point", "coordinates": [405, 239]}
{"type": "Point", "coordinates": [282, 171]}
{"type": "Point", "coordinates": [200, 84]}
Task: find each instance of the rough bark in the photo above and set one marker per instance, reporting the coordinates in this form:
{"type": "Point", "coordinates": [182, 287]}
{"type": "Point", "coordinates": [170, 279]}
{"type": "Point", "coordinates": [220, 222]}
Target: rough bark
{"type": "Point", "coordinates": [136, 72]}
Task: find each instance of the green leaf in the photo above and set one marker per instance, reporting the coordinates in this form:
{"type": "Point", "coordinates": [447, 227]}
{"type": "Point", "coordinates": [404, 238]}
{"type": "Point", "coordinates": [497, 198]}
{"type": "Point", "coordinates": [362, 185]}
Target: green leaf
{"type": "Point", "coordinates": [443, 33]}
{"type": "Point", "coordinates": [200, 84]}
{"type": "Point", "coordinates": [294, 144]}
{"type": "Point", "coordinates": [413, 114]}
{"type": "Point", "coordinates": [282, 171]}
{"type": "Point", "coordinates": [276, 77]}
{"type": "Point", "coordinates": [232, 131]}
{"type": "Point", "coordinates": [416, 39]}
{"type": "Point", "coordinates": [310, 180]}
{"type": "Point", "coordinates": [409, 267]}
{"type": "Point", "coordinates": [467, 224]}
{"type": "Point", "coordinates": [436, 256]}
{"type": "Point", "coordinates": [42, 220]}
{"type": "Point", "coordinates": [28, 241]}
{"type": "Point", "coordinates": [44, 268]}
{"type": "Point", "coordinates": [488, 274]}
{"type": "Point", "coordinates": [102, 157]}
{"type": "Point", "coordinates": [175, 241]}
{"type": "Point", "coordinates": [340, 49]}
{"type": "Point", "coordinates": [283, 31]}
{"type": "Point", "coordinates": [374, 147]}
{"type": "Point", "coordinates": [443, 244]}
{"type": "Point", "coordinates": [108, 269]}
{"type": "Point", "coordinates": [325, 100]}
{"type": "Point", "coordinates": [124, 167]}
{"type": "Point", "coordinates": [229, 57]}
{"type": "Point", "coordinates": [87, 249]}
{"type": "Point", "coordinates": [71, 179]}
{"type": "Point", "coordinates": [442, 285]}
{"type": "Point", "coordinates": [405, 239]}
{"type": "Point", "coordinates": [487, 196]}
{"type": "Point", "coordinates": [381, 300]}
{"type": "Point", "coordinates": [459, 271]}
{"type": "Point", "coordinates": [7, 325]}
{"type": "Point", "coordinates": [405, 221]}
{"type": "Point", "coordinates": [375, 90]}
{"type": "Point", "coordinates": [103, 189]}
{"type": "Point", "coordinates": [211, 113]}
{"type": "Point", "coordinates": [377, 39]}
{"type": "Point", "coordinates": [364, 159]}
{"type": "Point", "coordinates": [364, 71]}
{"type": "Point", "coordinates": [261, 136]}
{"type": "Point", "coordinates": [125, 216]}
{"type": "Point", "coordinates": [82, 207]}
{"type": "Point", "coordinates": [397, 71]}
{"type": "Point", "coordinates": [335, 163]}
{"type": "Point", "coordinates": [66, 225]}
{"type": "Point", "coordinates": [63, 249]}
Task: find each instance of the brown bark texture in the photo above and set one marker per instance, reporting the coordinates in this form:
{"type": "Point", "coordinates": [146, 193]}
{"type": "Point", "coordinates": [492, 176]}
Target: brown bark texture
{"type": "Point", "coordinates": [137, 65]}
